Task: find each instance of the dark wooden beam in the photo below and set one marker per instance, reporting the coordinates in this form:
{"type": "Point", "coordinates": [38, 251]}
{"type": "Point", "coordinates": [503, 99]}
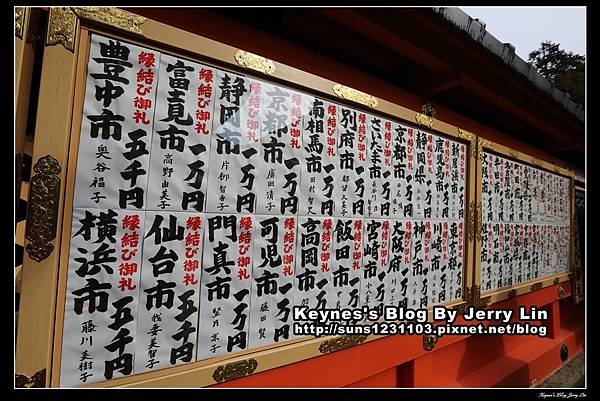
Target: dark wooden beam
{"type": "Point", "coordinates": [378, 33]}
{"type": "Point", "coordinates": [442, 84]}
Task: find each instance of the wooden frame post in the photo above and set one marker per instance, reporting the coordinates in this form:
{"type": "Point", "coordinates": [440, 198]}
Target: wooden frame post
{"type": "Point", "coordinates": [50, 153]}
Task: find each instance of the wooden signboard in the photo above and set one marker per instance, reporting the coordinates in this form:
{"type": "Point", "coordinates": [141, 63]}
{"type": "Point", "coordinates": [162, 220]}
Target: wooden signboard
{"type": "Point", "coordinates": [209, 190]}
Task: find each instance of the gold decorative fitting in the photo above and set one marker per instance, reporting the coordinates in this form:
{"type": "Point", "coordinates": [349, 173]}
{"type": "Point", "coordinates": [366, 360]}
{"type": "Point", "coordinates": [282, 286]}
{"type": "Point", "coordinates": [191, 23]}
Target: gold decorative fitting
{"type": "Point", "coordinates": [62, 24]}
{"type": "Point", "coordinates": [113, 17]}
{"type": "Point", "coordinates": [255, 62]}
{"type": "Point", "coordinates": [512, 293]}
{"type": "Point", "coordinates": [339, 343]}
{"type": "Point", "coordinates": [561, 291]}
{"type": "Point", "coordinates": [461, 308]}
{"type": "Point", "coordinates": [556, 281]}
{"type": "Point", "coordinates": [424, 120]}
{"type": "Point", "coordinates": [536, 162]}
{"type": "Point", "coordinates": [471, 223]}
{"type": "Point", "coordinates": [44, 193]}
{"type": "Point", "coordinates": [482, 143]}
{"type": "Point", "coordinates": [556, 169]}
{"type": "Point", "coordinates": [513, 154]}
{"type": "Point", "coordinates": [428, 110]}
{"type": "Point", "coordinates": [479, 224]}
{"type": "Point", "coordinates": [235, 370]}
{"type": "Point", "coordinates": [477, 301]}
{"type": "Point", "coordinates": [37, 380]}
{"type": "Point", "coordinates": [354, 95]}
{"type": "Point", "coordinates": [19, 21]}
{"type": "Point", "coordinates": [469, 136]}
{"type": "Point", "coordinates": [429, 341]}
{"type": "Point", "coordinates": [536, 286]}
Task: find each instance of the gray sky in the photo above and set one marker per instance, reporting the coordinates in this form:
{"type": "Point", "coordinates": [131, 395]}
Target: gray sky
{"type": "Point", "coordinates": [527, 27]}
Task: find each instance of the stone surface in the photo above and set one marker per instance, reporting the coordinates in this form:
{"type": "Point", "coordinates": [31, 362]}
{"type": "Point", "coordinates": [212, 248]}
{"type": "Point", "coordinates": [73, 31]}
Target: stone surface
{"type": "Point", "coordinates": [570, 375]}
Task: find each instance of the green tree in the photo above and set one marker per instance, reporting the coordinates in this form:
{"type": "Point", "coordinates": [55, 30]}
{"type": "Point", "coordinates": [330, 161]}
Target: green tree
{"type": "Point", "coordinates": [566, 70]}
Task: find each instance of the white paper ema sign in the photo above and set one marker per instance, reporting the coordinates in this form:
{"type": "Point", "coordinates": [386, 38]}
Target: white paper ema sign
{"type": "Point", "coordinates": [102, 295]}
{"type": "Point", "coordinates": [169, 290]}
{"type": "Point", "coordinates": [182, 136]}
{"type": "Point", "coordinates": [226, 282]}
{"type": "Point", "coordinates": [114, 147]}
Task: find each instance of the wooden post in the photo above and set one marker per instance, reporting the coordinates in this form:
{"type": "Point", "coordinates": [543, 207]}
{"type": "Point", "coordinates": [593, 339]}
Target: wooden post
{"type": "Point", "coordinates": [40, 261]}
{"type": "Point", "coordinates": [554, 321]}
{"type": "Point", "coordinates": [24, 57]}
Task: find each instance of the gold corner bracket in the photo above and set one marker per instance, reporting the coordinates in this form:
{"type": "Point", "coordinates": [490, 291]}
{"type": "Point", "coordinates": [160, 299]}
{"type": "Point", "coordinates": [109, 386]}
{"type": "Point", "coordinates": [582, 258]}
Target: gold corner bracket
{"type": "Point", "coordinates": [472, 138]}
{"type": "Point", "coordinates": [113, 17]}
{"type": "Point", "coordinates": [482, 143]}
{"type": "Point", "coordinates": [62, 27]}
{"type": "Point", "coordinates": [355, 95]}
{"type": "Point", "coordinates": [19, 21]}
{"type": "Point", "coordinates": [254, 62]}
{"type": "Point", "coordinates": [62, 22]}
{"type": "Point", "coordinates": [37, 380]}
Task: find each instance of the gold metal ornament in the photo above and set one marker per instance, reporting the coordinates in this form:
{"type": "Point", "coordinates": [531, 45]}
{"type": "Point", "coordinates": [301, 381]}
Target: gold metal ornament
{"type": "Point", "coordinates": [38, 379]}
{"type": "Point", "coordinates": [62, 24]}
{"type": "Point", "coordinates": [113, 17]}
{"type": "Point", "coordinates": [429, 341]}
{"type": "Point", "coordinates": [339, 343]}
{"type": "Point", "coordinates": [482, 143]}
{"type": "Point", "coordinates": [536, 162]}
{"type": "Point", "coordinates": [19, 21]}
{"type": "Point", "coordinates": [536, 286]}
{"type": "Point", "coordinates": [471, 223]}
{"type": "Point", "coordinates": [424, 120]}
{"type": "Point", "coordinates": [254, 62]}
{"type": "Point", "coordinates": [355, 95]}
{"type": "Point", "coordinates": [472, 138]}
{"type": "Point", "coordinates": [235, 370]}
{"type": "Point", "coordinates": [461, 308]}
{"type": "Point", "coordinates": [477, 301]}
{"type": "Point", "coordinates": [42, 213]}
{"type": "Point", "coordinates": [428, 110]}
